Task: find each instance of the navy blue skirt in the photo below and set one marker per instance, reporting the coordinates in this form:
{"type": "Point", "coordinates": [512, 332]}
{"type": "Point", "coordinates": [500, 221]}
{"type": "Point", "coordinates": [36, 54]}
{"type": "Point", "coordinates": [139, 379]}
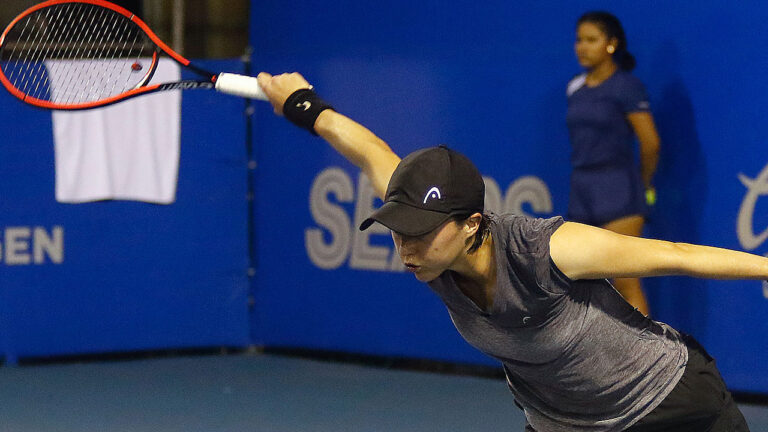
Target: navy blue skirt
{"type": "Point", "coordinates": [603, 194]}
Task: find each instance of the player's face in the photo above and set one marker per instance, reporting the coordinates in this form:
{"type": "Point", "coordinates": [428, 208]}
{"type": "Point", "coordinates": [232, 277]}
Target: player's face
{"type": "Point", "coordinates": [592, 45]}
{"type": "Point", "coordinates": [429, 255]}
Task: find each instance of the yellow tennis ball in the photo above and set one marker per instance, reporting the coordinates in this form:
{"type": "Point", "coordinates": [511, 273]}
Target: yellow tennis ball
{"type": "Point", "coordinates": [650, 196]}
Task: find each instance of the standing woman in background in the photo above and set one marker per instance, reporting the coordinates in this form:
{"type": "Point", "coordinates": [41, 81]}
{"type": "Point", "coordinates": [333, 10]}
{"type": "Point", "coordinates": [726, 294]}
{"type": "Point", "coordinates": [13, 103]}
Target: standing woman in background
{"type": "Point", "coordinates": [607, 108]}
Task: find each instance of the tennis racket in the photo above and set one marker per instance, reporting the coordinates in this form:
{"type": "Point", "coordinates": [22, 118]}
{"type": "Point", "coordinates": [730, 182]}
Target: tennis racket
{"type": "Point", "coordinates": [81, 54]}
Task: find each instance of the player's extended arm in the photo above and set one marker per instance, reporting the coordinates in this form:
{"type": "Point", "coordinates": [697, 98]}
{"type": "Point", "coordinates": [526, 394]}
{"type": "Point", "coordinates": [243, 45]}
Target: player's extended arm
{"type": "Point", "coordinates": [648, 138]}
{"type": "Point", "coordinates": [351, 139]}
{"type": "Point", "coordinates": [586, 252]}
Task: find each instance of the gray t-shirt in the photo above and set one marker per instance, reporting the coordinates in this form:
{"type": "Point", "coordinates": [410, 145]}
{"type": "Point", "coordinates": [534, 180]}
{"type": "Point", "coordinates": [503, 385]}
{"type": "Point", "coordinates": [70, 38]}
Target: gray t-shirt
{"type": "Point", "coordinates": [577, 356]}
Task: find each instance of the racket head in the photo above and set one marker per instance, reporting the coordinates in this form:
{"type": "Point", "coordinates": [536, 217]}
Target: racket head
{"type": "Point", "coordinates": [79, 54]}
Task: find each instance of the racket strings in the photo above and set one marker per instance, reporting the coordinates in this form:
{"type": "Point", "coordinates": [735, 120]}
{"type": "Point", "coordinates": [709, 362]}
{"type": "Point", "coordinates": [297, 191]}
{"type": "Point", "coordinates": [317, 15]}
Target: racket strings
{"type": "Point", "coordinates": [88, 53]}
{"type": "Point", "coordinates": [75, 53]}
{"type": "Point", "coordinates": [65, 33]}
{"type": "Point", "coordinates": [33, 64]}
{"type": "Point", "coordinates": [24, 70]}
{"type": "Point", "coordinates": [94, 31]}
{"type": "Point", "coordinates": [46, 52]}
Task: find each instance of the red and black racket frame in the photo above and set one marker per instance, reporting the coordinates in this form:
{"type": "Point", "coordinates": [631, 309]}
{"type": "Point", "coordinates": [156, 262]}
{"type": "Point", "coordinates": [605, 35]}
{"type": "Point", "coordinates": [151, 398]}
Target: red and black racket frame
{"type": "Point", "coordinates": [141, 89]}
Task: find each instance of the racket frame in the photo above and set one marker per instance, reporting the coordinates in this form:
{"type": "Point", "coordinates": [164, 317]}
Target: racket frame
{"type": "Point", "coordinates": [208, 83]}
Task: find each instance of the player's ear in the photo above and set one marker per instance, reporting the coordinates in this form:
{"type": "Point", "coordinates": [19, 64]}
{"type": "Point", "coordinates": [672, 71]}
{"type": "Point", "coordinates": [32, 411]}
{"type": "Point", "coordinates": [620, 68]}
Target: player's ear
{"type": "Point", "coordinates": [472, 224]}
{"type": "Point", "coordinates": [612, 44]}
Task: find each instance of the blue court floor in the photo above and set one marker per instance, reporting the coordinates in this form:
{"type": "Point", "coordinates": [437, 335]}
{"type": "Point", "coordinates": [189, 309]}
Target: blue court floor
{"type": "Point", "coordinates": [253, 392]}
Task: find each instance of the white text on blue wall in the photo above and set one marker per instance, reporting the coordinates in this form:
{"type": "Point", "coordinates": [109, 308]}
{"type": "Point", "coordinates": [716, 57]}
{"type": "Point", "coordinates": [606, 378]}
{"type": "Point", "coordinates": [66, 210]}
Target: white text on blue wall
{"type": "Point", "coordinates": [27, 245]}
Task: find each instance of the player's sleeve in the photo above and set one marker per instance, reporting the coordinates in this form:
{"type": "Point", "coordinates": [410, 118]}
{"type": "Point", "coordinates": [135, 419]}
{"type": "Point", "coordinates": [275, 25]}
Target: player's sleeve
{"type": "Point", "coordinates": [531, 235]}
{"type": "Point", "coordinates": [575, 83]}
{"type": "Point", "coordinates": [633, 97]}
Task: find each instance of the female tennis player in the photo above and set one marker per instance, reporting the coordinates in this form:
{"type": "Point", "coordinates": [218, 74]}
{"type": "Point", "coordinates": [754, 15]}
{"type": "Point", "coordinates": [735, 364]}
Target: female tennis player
{"type": "Point", "coordinates": [607, 109]}
{"type": "Point", "coordinates": [532, 293]}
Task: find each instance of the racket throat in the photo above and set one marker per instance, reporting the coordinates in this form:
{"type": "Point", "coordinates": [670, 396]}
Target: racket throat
{"type": "Point", "coordinates": [186, 85]}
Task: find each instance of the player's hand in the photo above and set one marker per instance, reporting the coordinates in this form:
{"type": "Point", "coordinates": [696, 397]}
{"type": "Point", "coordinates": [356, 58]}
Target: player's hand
{"type": "Point", "coordinates": [279, 87]}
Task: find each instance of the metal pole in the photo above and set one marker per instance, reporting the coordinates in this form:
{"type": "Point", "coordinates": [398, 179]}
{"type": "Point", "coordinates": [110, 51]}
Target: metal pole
{"type": "Point", "coordinates": [253, 261]}
{"type": "Point", "coordinates": [178, 26]}
{"type": "Point", "coordinates": [153, 15]}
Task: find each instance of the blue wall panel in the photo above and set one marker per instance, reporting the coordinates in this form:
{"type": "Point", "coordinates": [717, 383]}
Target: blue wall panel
{"type": "Point", "coordinates": [489, 79]}
{"type": "Point", "coordinates": [134, 276]}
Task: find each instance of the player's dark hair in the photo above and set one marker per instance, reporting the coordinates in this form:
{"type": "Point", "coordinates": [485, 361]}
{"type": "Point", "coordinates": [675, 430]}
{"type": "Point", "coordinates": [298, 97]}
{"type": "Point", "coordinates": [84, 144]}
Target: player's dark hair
{"type": "Point", "coordinates": [611, 26]}
{"type": "Point", "coordinates": [482, 232]}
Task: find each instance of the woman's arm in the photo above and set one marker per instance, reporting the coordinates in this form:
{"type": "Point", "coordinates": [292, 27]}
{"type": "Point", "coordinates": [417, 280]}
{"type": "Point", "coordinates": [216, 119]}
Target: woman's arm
{"type": "Point", "coordinates": [352, 140]}
{"type": "Point", "coordinates": [586, 252]}
{"type": "Point", "coordinates": [645, 129]}
{"type": "Point", "coordinates": [360, 146]}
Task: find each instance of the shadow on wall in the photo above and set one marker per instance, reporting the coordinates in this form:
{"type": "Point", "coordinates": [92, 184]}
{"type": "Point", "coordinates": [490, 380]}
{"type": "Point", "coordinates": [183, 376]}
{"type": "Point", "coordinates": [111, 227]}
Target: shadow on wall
{"type": "Point", "coordinates": [554, 138]}
{"type": "Point", "coordinates": [681, 182]}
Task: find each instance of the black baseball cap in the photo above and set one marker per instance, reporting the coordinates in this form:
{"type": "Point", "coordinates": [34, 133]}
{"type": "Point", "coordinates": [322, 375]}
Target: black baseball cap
{"type": "Point", "coordinates": [428, 187]}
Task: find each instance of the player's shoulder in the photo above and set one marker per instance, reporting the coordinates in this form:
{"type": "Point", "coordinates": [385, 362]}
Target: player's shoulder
{"type": "Point", "coordinates": [624, 78]}
{"type": "Point", "coordinates": [515, 219]}
{"type": "Point", "coordinates": [524, 233]}
{"type": "Point", "coordinates": [575, 83]}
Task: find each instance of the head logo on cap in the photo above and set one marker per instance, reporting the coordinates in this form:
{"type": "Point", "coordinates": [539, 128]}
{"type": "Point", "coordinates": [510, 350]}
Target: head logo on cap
{"type": "Point", "coordinates": [433, 193]}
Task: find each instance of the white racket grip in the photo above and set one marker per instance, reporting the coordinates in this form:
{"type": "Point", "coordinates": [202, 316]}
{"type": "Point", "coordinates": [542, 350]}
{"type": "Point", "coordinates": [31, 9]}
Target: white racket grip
{"type": "Point", "coordinates": [240, 85]}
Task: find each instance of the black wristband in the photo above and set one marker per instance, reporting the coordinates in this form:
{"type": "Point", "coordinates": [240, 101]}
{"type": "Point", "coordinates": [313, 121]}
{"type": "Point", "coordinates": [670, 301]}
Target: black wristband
{"type": "Point", "coordinates": [303, 107]}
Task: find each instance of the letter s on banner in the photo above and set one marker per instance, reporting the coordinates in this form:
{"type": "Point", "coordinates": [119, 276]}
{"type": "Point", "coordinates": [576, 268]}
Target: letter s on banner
{"type": "Point", "coordinates": [365, 255]}
{"type": "Point", "coordinates": [330, 216]}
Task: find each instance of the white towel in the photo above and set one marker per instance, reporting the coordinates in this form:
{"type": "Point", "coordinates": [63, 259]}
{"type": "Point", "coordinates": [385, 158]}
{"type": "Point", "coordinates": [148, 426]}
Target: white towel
{"type": "Point", "coordinates": [126, 151]}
